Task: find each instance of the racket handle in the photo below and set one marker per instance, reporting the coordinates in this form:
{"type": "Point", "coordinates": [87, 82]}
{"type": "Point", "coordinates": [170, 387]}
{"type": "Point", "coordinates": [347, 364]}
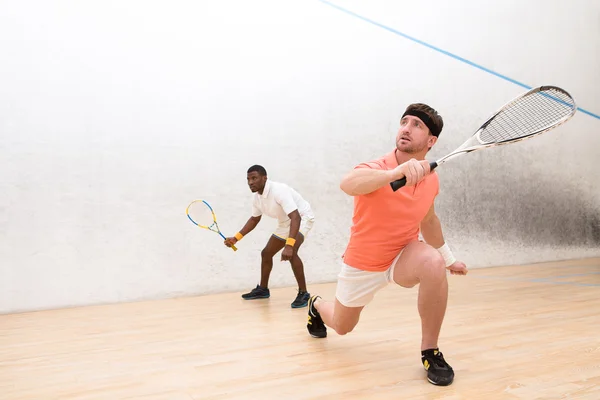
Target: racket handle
{"type": "Point", "coordinates": [397, 184]}
{"type": "Point", "coordinates": [232, 246]}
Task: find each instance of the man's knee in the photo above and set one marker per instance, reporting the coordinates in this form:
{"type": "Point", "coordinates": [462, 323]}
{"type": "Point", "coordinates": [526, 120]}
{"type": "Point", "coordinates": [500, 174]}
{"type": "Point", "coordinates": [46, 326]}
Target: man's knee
{"type": "Point", "coordinates": [342, 329]}
{"type": "Point", "coordinates": [266, 253]}
{"type": "Point", "coordinates": [433, 265]}
{"type": "Point", "coordinates": [345, 318]}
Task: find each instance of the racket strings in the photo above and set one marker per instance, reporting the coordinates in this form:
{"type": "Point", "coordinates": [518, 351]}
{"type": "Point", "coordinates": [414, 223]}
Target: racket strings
{"type": "Point", "coordinates": [203, 216]}
{"type": "Point", "coordinates": [528, 115]}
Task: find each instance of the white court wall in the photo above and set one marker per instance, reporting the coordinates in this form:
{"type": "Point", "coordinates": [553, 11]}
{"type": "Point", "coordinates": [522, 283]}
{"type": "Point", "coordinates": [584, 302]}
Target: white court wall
{"type": "Point", "coordinates": [115, 115]}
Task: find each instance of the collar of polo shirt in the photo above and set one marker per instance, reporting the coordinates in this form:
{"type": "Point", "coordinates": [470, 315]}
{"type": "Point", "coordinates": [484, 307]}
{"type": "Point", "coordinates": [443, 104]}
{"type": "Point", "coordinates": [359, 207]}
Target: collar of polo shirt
{"type": "Point", "coordinates": [266, 189]}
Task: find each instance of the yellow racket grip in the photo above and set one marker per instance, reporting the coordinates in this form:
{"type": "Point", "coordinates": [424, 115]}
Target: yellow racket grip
{"type": "Point", "coordinates": [233, 247]}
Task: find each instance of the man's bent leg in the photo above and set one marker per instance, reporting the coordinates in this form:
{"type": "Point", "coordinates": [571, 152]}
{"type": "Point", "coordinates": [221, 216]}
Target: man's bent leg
{"type": "Point", "coordinates": [337, 316]}
{"type": "Point", "coordinates": [355, 289]}
{"type": "Point", "coordinates": [274, 245]}
{"type": "Point", "coordinates": [422, 264]}
{"type": "Point", "coordinates": [297, 265]}
{"type": "Point", "coordinates": [303, 296]}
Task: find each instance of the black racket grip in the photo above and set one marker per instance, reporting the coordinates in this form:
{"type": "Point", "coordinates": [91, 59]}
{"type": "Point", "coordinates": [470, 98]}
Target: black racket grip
{"type": "Point", "coordinates": [397, 184]}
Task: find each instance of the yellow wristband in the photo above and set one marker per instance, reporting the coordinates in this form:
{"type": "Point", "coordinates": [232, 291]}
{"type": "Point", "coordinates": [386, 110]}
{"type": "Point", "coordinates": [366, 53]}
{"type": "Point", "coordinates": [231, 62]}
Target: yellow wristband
{"type": "Point", "coordinates": [238, 236]}
{"type": "Point", "coordinates": [290, 241]}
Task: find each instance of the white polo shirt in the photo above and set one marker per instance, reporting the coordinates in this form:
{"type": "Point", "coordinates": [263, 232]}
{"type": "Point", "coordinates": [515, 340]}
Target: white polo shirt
{"type": "Point", "coordinates": [278, 200]}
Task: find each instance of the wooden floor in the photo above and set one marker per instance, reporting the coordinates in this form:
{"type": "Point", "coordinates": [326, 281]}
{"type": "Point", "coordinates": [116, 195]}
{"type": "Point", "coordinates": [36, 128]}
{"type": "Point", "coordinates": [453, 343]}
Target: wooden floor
{"type": "Point", "coordinates": [523, 332]}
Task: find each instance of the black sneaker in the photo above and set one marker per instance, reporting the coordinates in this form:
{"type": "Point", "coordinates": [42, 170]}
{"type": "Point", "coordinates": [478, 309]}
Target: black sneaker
{"type": "Point", "coordinates": [301, 300]}
{"type": "Point", "coordinates": [316, 326]}
{"type": "Point", "coordinates": [257, 293]}
{"type": "Point", "coordinates": [438, 371]}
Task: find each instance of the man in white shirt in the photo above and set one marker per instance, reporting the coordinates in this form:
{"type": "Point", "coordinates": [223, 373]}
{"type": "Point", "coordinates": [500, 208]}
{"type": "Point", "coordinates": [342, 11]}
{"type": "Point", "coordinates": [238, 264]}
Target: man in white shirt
{"type": "Point", "coordinates": [295, 219]}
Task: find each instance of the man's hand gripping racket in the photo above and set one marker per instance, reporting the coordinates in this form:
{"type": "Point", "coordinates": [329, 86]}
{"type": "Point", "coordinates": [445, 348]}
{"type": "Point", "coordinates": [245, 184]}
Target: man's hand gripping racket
{"type": "Point", "coordinates": [530, 114]}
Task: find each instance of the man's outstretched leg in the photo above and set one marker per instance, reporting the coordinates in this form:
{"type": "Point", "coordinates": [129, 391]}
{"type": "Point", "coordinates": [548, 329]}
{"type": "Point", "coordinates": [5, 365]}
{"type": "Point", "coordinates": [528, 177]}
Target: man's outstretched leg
{"type": "Point", "coordinates": [333, 314]}
{"type": "Point", "coordinates": [355, 289]}
{"type": "Point", "coordinates": [423, 265]}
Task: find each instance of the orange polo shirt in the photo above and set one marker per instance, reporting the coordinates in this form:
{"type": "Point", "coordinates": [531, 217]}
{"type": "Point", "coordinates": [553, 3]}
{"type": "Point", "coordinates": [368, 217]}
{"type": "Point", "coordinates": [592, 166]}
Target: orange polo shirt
{"type": "Point", "coordinates": [384, 221]}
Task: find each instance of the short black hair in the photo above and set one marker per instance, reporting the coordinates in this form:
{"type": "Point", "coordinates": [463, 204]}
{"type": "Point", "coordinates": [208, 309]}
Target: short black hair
{"type": "Point", "coordinates": [258, 168]}
{"type": "Point", "coordinates": [430, 117]}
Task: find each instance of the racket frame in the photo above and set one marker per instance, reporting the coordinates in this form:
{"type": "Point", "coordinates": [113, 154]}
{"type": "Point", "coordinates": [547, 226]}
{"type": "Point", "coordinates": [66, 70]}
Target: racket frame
{"type": "Point", "coordinates": [208, 227]}
{"type": "Point", "coordinates": [475, 143]}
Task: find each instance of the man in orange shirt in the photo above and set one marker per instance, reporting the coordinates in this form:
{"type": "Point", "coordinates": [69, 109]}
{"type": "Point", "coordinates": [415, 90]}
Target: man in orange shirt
{"type": "Point", "coordinates": [384, 245]}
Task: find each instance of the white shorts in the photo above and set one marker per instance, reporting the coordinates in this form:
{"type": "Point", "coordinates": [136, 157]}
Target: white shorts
{"type": "Point", "coordinates": [356, 288]}
{"type": "Point", "coordinates": [283, 228]}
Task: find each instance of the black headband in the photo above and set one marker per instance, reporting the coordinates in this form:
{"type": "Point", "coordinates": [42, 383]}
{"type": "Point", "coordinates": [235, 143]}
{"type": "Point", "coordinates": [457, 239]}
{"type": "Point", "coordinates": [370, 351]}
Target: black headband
{"type": "Point", "coordinates": [435, 131]}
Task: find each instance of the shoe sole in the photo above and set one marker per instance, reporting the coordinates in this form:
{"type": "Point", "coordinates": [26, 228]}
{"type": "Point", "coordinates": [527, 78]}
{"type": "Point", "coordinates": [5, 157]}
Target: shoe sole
{"type": "Point", "coordinates": [439, 384]}
{"type": "Point", "coordinates": [300, 306]}
{"type": "Point", "coordinates": [255, 298]}
{"type": "Point", "coordinates": [318, 337]}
